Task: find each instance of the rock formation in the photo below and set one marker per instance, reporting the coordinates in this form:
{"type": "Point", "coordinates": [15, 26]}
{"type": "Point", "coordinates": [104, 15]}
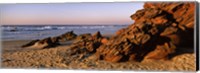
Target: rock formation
{"type": "Point", "coordinates": [159, 30]}
{"type": "Point", "coordinates": [91, 43]}
{"type": "Point", "coordinates": [50, 41]}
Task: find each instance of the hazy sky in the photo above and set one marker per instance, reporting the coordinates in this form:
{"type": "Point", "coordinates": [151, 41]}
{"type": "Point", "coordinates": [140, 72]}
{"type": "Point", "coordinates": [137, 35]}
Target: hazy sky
{"type": "Point", "coordinates": [68, 13]}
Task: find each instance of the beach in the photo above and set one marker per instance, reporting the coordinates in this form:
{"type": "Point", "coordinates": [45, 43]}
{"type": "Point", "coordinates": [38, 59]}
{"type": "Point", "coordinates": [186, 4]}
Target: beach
{"type": "Point", "coordinates": [160, 39]}
{"type": "Point", "coordinates": [57, 58]}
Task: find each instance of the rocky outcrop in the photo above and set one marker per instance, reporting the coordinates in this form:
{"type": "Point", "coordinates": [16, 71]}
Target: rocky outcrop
{"type": "Point", "coordinates": [67, 36]}
{"type": "Point", "coordinates": [87, 41]}
{"type": "Point", "coordinates": [158, 31]}
{"type": "Point", "coordinates": [86, 45]}
{"type": "Point", "coordinates": [50, 41]}
{"type": "Point", "coordinates": [91, 43]}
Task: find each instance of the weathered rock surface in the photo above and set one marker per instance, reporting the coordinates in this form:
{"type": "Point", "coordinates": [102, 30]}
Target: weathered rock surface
{"type": "Point", "coordinates": [86, 44]}
{"type": "Point", "coordinates": [50, 41]}
{"type": "Point", "coordinates": [159, 30]}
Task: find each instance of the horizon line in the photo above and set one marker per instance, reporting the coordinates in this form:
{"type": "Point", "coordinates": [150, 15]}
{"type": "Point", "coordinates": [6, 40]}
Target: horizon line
{"type": "Point", "coordinates": [64, 24]}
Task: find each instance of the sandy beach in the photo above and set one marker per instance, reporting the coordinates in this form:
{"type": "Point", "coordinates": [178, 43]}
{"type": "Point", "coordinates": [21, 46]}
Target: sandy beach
{"type": "Point", "coordinates": [160, 39]}
{"type": "Point", "coordinates": [57, 58]}
{"type": "Point", "coordinates": [12, 46]}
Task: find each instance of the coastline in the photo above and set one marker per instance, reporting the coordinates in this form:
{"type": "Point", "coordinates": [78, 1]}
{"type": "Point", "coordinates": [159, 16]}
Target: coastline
{"type": "Point", "coordinates": [158, 40]}
{"type": "Point", "coordinates": [57, 58]}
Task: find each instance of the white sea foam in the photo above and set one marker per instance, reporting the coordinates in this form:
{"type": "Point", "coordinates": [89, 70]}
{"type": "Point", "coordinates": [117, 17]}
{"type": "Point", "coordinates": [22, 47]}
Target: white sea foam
{"type": "Point", "coordinates": [34, 32]}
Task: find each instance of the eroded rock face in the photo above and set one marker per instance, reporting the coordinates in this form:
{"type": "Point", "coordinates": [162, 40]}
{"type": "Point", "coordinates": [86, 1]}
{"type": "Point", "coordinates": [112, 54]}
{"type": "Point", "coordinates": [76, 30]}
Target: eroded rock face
{"type": "Point", "coordinates": [88, 41]}
{"type": "Point", "coordinates": [158, 30]}
{"type": "Point", "coordinates": [86, 45]}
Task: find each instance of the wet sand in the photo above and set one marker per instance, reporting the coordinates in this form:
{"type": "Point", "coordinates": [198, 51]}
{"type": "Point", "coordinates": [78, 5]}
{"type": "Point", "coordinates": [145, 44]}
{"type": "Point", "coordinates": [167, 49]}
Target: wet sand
{"type": "Point", "coordinates": [57, 58]}
{"type": "Point", "coordinates": [12, 46]}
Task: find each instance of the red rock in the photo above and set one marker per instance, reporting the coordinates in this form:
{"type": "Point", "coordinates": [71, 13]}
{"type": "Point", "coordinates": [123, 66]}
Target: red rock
{"type": "Point", "coordinates": [190, 25]}
{"type": "Point", "coordinates": [104, 41]}
{"type": "Point", "coordinates": [169, 31]}
{"type": "Point", "coordinates": [159, 53]}
{"type": "Point", "coordinates": [113, 58]}
{"type": "Point", "coordinates": [157, 30]}
{"type": "Point", "coordinates": [153, 31]}
{"type": "Point", "coordinates": [120, 31]}
{"type": "Point", "coordinates": [132, 57]}
{"type": "Point", "coordinates": [159, 20]}
{"type": "Point", "coordinates": [175, 39]}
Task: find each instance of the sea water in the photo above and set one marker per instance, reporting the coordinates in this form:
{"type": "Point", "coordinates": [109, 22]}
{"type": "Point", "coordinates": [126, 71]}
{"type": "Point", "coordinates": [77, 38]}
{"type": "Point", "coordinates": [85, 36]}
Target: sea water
{"type": "Point", "coordinates": [31, 32]}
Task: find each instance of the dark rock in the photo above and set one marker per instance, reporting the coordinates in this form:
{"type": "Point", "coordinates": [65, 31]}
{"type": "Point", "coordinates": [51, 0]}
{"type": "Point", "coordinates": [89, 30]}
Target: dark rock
{"type": "Point", "coordinates": [97, 35]}
{"type": "Point", "coordinates": [30, 43]}
{"type": "Point", "coordinates": [51, 41]}
{"type": "Point", "coordinates": [161, 51]}
{"type": "Point", "coordinates": [67, 36]}
{"type": "Point", "coordinates": [84, 36]}
{"type": "Point", "coordinates": [132, 57]}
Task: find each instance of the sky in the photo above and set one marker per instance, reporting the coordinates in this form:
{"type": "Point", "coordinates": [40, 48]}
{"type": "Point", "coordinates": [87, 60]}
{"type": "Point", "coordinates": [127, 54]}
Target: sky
{"type": "Point", "coordinates": [68, 13]}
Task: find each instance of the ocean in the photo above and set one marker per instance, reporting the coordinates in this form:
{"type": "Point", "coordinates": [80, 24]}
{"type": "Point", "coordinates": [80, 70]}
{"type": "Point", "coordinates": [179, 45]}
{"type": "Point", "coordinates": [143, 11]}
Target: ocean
{"type": "Point", "coordinates": [31, 32]}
